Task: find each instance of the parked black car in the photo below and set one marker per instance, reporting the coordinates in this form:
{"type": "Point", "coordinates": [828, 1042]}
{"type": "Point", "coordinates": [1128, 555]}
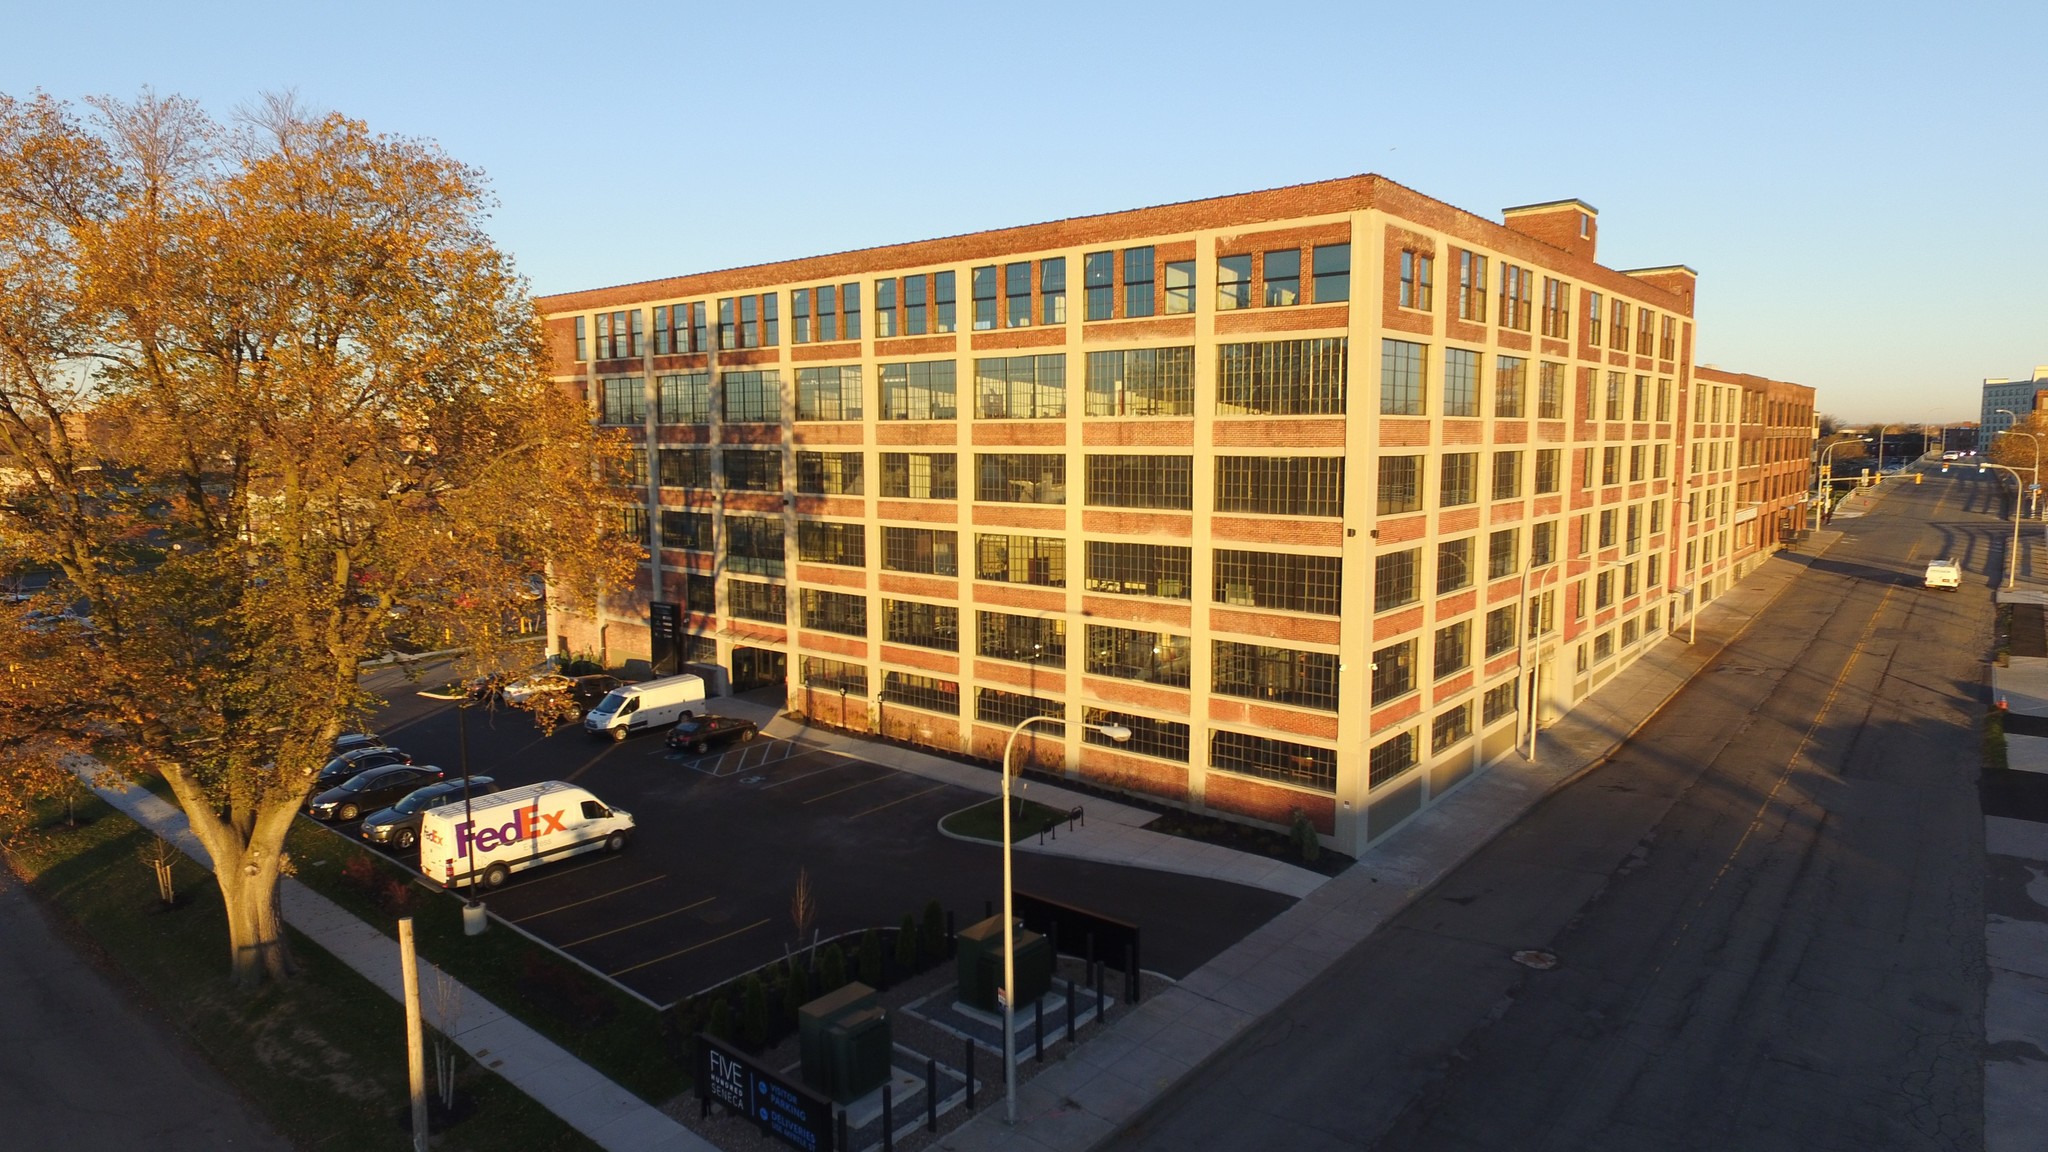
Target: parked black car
{"type": "Point", "coordinates": [399, 825]}
{"type": "Point", "coordinates": [354, 762]}
{"type": "Point", "coordinates": [588, 690]}
{"type": "Point", "coordinates": [700, 734]}
{"type": "Point", "coordinates": [352, 741]}
{"type": "Point", "coordinates": [374, 789]}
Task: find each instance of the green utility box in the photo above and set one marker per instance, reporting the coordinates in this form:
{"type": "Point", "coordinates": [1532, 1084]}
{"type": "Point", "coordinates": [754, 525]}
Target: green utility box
{"type": "Point", "coordinates": [979, 963]}
{"type": "Point", "coordinates": [845, 1043]}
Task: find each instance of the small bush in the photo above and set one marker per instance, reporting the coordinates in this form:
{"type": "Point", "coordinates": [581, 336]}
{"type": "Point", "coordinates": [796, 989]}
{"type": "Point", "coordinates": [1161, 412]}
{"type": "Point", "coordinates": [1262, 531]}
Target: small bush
{"type": "Point", "coordinates": [753, 1013]}
{"type": "Point", "coordinates": [798, 991]}
{"type": "Point", "coordinates": [720, 1024]}
{"type": "Point", "coordinates": [832, 969]}
{"type": "Point", "coordinates": [396, 897]}
{"type": "Point", "coordinates": [359, 872]}
{"type": "Point", "coordinates": [1304, 836]}
{"type": "Point", "coordinates": [931, 941]}
{"type": "Point", "coordinates": [906, 945]}
{"type": "Point", "coordinates": [871, 958]}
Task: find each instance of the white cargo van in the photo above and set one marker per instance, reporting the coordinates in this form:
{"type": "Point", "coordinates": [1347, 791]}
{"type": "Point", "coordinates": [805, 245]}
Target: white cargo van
{"type": "Point", "coordinates": [639, 707]}
{"type": "Point", "coordinates": [508, 832]}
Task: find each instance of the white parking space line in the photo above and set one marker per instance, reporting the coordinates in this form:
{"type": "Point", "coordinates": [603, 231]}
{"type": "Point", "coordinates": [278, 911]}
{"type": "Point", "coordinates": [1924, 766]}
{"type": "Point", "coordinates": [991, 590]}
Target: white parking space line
{"type": "Point", "coordinates": [850, 787]}
{"type": "Point", "coordinates": [690, 949]}
{"type": "Point", "coordinates": [843, 763]}
{"type": "Point", "coordinates": [587, 900]}
{"type": "Point", "coordinates": [638, 923]}
{"type": "Point", "coordinates": [557, 873]}
{"type": "Point", "coordinates": [899, 800]}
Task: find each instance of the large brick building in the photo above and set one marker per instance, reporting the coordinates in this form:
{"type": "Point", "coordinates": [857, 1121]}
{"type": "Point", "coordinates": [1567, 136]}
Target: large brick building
{"type": "Point", "coordinates": [1774, 465]}
{"type": "Point", "coordinates": [1314, 489]}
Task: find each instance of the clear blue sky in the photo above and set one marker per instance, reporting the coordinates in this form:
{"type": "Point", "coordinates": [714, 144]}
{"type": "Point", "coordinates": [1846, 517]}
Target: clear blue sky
{"type": "Point", "coordinates": [1863, 187]}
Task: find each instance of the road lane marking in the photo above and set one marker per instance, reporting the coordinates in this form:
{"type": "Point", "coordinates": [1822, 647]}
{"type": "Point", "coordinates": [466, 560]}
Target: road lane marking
{"type": "Point", "coordinates": [807, 775]}
{"type": "Point", "coordinates": [586, 900]}
{"type": "Point", "coordinates": [899, 800]}
{"type": "Point", "coordinates": [638, 923]}
{"type": "Point", "coordinates": [690, 949]}
{"type": "Point", "coordinates": [553, 873]}
{"type": "Point", "coordinates": [850, 787]}
{"type": "Point", "coordinates": [587, 765]}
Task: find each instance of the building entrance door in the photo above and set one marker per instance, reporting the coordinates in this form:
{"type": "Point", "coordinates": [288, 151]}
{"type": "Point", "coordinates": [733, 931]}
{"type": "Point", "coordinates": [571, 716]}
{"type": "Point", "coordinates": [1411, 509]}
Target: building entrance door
{"type": "Point", "coordinates": [758, 668]}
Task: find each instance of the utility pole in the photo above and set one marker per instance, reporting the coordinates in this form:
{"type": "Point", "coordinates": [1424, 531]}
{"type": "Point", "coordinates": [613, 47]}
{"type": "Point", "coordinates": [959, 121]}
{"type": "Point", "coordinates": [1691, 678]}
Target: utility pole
{"type": "Point", "coordinates": [415, 1041]}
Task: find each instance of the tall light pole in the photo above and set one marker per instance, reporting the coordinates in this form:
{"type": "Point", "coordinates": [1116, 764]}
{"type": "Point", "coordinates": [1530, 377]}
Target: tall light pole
{"type": "Point", "coordinates": [2012, 555]}
{"type": "Point", "coordinates": [472, 911]}
{"type": "Point", "coordinates": [1824, 478]}
{"type": "Point", "coordinates": [1116, 732]}
{"type": "Point", "coordinates": [2036, 475]}
{"type": "Point", "coordinates": [1522, 649]}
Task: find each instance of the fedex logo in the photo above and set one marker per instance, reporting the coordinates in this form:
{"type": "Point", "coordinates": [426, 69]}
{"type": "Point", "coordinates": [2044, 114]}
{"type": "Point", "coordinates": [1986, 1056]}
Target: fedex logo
{"type": "Point", "coordinates": [526, 823]}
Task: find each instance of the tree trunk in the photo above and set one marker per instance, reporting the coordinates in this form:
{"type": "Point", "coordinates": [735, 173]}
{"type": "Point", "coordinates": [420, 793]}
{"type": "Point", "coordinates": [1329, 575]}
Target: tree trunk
{"type": "Point", "coordinates": [247, 867]}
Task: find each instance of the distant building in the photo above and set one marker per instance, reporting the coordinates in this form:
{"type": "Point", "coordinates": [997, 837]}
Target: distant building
{"type": "Point", "coordinates": [1774, 465]}
{"type": "Point", "coordinates": [2012, 395]}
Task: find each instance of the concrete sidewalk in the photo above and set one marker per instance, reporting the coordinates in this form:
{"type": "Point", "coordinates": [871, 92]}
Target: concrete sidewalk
{"type": "Point", "coordinates": [1109, 1082]}
{"type": "Point", "coordinates": [1114, 833]}
{"type": "Point", "coordinates": [587, 1101]}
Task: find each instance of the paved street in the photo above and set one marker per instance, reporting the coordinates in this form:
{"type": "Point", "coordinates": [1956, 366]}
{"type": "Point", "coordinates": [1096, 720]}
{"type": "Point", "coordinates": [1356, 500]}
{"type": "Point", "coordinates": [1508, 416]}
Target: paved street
{"type": "Point", "coordinates": [82, 1068]}
{"type": "Point", "coordinates": [1768, 911]}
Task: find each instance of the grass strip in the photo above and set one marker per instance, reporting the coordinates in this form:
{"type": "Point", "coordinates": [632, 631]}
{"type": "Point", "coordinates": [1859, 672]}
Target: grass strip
{"type": "Point", "coordinates": [321, 1056]}
{"type": "Point", "coordinates": [984, 821]}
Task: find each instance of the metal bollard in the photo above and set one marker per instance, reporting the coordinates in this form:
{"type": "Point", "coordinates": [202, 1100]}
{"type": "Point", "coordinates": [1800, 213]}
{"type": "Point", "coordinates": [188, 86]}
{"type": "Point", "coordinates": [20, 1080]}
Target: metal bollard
{"type": "Point", "coordinates": [951, 943]}
{"type": "Point", "coordinates": [845, 1138]}
{"type": "Point", "coordinates": [1101, 1014]}
{"type": "Point", "coordinates": [888, 1120]}
{"type": "Point", "coordinates": [931, 1095]}
{"type": "Point", "coordinates": [969, 1062]}
{"type": "Point", "coordinates": [1130, 974]}
{"type": "Point", "coordinates": [1038, 1029]}
{"type": "Point", "coordinates": [1070, 1012]}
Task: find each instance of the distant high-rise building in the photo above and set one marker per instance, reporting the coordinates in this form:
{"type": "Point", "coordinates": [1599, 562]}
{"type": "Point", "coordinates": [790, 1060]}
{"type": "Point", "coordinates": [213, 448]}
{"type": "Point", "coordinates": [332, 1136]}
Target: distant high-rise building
{"type": "Point", "coordinates": [2012, 395]}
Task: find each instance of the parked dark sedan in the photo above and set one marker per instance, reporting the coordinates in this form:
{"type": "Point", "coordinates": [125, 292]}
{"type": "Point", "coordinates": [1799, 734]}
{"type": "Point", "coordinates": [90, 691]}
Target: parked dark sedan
{"type": "Point", "coordinates": [399, 825]}
{"type": "Point", "coordinates": [355, 762]}
{"type": "Point", "coordinates": [355, 741]}
{"type": "Point", "coordinates": [700, 734]}
{"type": "Point", "coordinates": [588, 690]}
{"type": "Point", "coordinates": [374, 789]}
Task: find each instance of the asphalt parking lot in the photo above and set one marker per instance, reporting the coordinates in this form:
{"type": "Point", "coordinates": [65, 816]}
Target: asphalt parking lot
{"type": "Point", "coordinates": [704, 890]}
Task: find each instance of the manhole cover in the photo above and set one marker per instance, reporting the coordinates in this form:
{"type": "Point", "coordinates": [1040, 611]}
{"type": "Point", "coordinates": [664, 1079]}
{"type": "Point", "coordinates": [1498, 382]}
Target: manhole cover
{"type": "Point", "coordinates": [752, 779]}
{"type": "Point", "coordinates": [1535, 958]}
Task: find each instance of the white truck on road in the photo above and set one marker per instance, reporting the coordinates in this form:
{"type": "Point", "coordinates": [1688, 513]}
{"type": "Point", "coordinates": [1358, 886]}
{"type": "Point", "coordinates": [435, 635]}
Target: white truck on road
{"type": "Point", "coordinates": [638, 707]}
{"type": "Point", "coordinates": [507, 832]}
{"type": "Point", "coordinates": [1945, 574]}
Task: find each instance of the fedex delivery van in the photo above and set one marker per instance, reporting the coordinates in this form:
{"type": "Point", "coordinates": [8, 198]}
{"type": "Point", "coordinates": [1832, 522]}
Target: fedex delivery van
{"type": "Point", "coordinates": [639, 707]}
{"type": "Point", "coordinates": [507, 832]}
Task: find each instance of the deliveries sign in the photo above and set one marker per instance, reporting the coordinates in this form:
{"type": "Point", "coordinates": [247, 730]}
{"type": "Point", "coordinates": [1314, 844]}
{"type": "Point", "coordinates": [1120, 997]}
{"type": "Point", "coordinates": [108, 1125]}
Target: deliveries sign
{"type": "Point", "coordinates": [789, 1112]}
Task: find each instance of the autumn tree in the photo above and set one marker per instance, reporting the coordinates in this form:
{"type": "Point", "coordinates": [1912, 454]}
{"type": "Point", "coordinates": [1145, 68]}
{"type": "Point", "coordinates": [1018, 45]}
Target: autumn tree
{"type": "Point", "coordinates": [263, 387]}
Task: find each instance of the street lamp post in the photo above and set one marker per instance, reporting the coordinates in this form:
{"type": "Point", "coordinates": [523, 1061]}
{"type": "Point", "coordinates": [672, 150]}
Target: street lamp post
{"type": "Point", "coordinates": [472, 909]}
{"type": "Point", "coordinates": [1824, 477]}
{"type": "Point", "coordinates": [2012, 555]}
{"type": "Point", "coordinates": [2035, 476]}
{"type": "Point", "coordinates": [1522, 650]}
{"type": "Point", "coordinates": [1116, 732]}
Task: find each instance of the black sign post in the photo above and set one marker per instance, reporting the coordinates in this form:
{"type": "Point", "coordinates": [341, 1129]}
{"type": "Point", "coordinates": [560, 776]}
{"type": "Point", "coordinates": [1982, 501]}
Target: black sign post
{"type": "Point", "coordinates": [665, 645]}
{"type": "Point", "coordinates": [789, 1112]}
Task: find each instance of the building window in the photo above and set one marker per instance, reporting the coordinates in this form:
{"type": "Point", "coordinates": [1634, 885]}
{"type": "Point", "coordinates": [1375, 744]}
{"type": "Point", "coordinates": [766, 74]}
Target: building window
{"type": "Point", "coordinates": [1593, 319]}
{"type": "Point", "coordinates": [1040, 560]}
{"type": "Point", "coordinates": [927, 550]}
{"type": "Point", "coordinates": [1138, 282]}
{"type": "Point", "coordinates": [1516, 286]}
{"type": "Point", "coordinates": [849, 310]}
{"type": "Point", "coordinates": [1615, 384]}
{"type": "Point", "coordinates": [1667, 345]}
{"type": "Point", "coordinates": [1635, 462]}
{"type": "Point", "coordinates": [1646, 330]}
{"type": "Point", "coordinates": [1283, 760]}
{"type": "Point", "coordinates": [1639, 399]}
{"type": "Point", "coordinates": [1618, 331]}
{"type": "Point", "coordinates": [1510, 382]}
{"type": "Point", "coordinates": [1286, 486]}
{"type": "Point", "coordinates": [1663, 399]}
{"type": "Point", "coordinates": [922, 390]}
{"type": "Point", "coordinates": [1557, 309]}
{"type": "Point", "coordinates": [1499, 701]}
{"type": "Point", "coordinates": [1009, 709]}
{"type": "Point", "coordinates": [1283, 278]}
{"type": "Point", "coordinates": [1500, 630]}
{"type": "Point", "coordinates": [1393, 671]}
{"type": "Point", "coordinates": [828, 393]}
{"type": "Point", "coordinates": [1161, 570]}
{"type": "Point", "coordinates": [1129, 654]}
{"type": "Point", "coordinates": [1390, 758]}
{"type": "Point", "coordinates": [928, 693]}
{"type": "Point", "coordinates": [1610, 464]}
{"type": "Point", "coordinates": [1543, 544]}
{"type": "Point", "coordinates": [1395, 579]}
{"type": "Point", "coordinates": [752, 397]}
{"type": "Point", "coordinates": [1461, 382]}
{"type": "Point", "coordinates": [618, 335]}
{"type": "Point", "coordinates": [1288, 582]}
{"type": "Point", "coordinates": [1458, 482]}
{"type": "Point", "coordinates": [1450, 727]}
{"type": "Point", "coordinates": [1453, 649]}
{"type": "Point", "coordinates": [675, 331]}
{"type": "Point", "coordinates": [1165, 739]}
{"type": "Point", "coordinates": [1142, 382]}
{"type": "Point", "coordinates": [1507, 475]}
{"type": "Point", "coordinates": [1503, 550]}
{"type": "Point", "coordinates": [1331, 265]}
{"type": "Point", "coordinates": [1400, 487]}
{"type": "Point", "coordinates": [1283, 377]}
{"type": "Point", "coordinates": [915, 289]}
{"type": "Point", "coordinates": [1453, 565]}
{"type": "Point", "coordinates": [1052, 290]}
{"type": "Point", "coordinates": [982, 283]}
{"type": "Point", "coordinates": [1279, 675]}
{"type": "Point", "coordinates": [753, 469]}
{"type": "Point", "coordinates": [826, 675]}
{"type": "Point", "coordinates": [1403, 378]}
{"type": "Point", "coordinates": [885, 308]}
{"type": "Point", "coordinates": [1098, 278]}
{"type": "Point", "coordinates": [752, 600]}
{"type": "Point", "coordinates": [920, 476]}
{"type": "Point", "coordinates": [1141, 481]}
{"type": "Point", "coordinates": [1549, 468]}
{"type": "Point", "coordinates": [924, 625]}
{"type": "Point", "coordinates": [942, 303]}
{"type": "Point", "coordinates": [829, 473]}
{"type": "Point", "coordinates": [1415, 280]}
{"type": "Point", "coordinates": [1472, 287]}
{"type": "Point", "coordinates": [754, 545]}
{"type": "Point", "coordinates": [681, 528]}
{"type": "Point", "coordinates": [1180, 287]}
{"type": "Point", "coordinates": [1026, 639]}
{"type": "Point", "coordinates": [1233, 283]}
{"type": "Point", "coordinates": [832, 542]}
{"type": "Point", "coordinates": [1549, 391]}
{"type": "Point", "coordinates": [685, 398]}
{"type": "Point", "coordinates": [1022, 387]}
{"type": "Point", "coordinates": [1603, 590]}
{"type": "Point", "coordinates": [842, 612]}
{"type": "Point", "coordinates": [799, 317]}
{"type": "Point", "coordinates": [700, 594]}
{"type": "Point", "coordinates": [1020, 478]}
{"type": "Point", "coordinates": [582, 340]}
{"type": "Point", "coordinates": [685, 467]}
{"type": "Point", "coordinates": [1017, 294]}
{"type": "Point", "coordinates": [622, 401]}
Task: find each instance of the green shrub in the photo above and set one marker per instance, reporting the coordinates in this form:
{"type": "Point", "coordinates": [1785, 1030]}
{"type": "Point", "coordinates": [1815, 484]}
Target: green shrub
{"type": "Point", "coordinates": [1304, 836]}
{"type": "Point", "coordinates": [797, 992]}
{"type": "Point", "coordinates": [753, 1013]}
{"type": "Point", "coordinates": [871, 958]}
{"type": "Point", "coordinates": [831, 969]}
{"type": "Point", "coordinates": [720, 1024]}
{"type": "Point", "coordinates": [906, 945]}
{"type": "Point", "coordinates": [931, 942]}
